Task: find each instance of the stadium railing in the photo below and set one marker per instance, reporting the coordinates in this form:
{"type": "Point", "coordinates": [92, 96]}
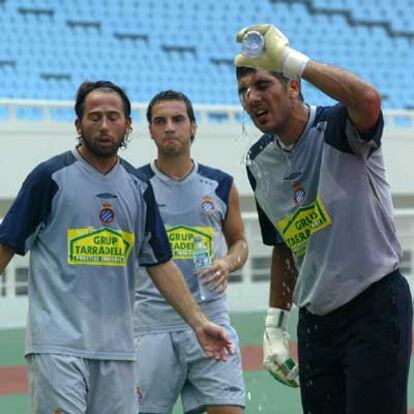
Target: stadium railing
{"type": "Point", "coordinates": [12, 110]}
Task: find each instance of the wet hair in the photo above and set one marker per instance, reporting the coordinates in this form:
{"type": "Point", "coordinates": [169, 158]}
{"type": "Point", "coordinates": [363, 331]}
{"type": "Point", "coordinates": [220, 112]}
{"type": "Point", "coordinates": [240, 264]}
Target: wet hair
{"type": "Point", "coordinates": [170, 95]}
{"type": "Point", "coordinates": [242, 71]}
{"type": "Point", "coordinates": [103, 86]}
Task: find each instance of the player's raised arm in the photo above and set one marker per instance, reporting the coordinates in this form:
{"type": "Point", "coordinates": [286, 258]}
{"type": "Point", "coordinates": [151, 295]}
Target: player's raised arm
{"type": "Point", "coordinates": [362, 99]}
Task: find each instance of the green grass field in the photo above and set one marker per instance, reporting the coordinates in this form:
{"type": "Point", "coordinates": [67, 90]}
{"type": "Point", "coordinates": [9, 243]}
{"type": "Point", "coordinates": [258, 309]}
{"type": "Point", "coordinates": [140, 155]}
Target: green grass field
{"type": "Point", "coordinates": [264, 395]}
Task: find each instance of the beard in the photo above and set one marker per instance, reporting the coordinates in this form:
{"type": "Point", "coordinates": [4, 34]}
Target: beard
{"type": "Point", "coordinates": [102, 149]}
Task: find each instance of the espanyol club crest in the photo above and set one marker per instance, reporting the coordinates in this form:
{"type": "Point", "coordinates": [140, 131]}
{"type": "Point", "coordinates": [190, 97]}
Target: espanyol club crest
{"type": "Point", "coordinates": [107, 214]}
{"type": "Point", "coordinates": [298, 193]}
{"type": "Point", "coordinates": [208, 207]}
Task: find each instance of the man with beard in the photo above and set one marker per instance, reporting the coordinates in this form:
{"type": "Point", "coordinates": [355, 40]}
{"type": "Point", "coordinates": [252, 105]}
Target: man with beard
{"type": "Point", "coordinates": [198, 204]}
{"type": "Point", "coordinates": [324, 204]}
{"type": "Point", "coordinates": [89, 220]}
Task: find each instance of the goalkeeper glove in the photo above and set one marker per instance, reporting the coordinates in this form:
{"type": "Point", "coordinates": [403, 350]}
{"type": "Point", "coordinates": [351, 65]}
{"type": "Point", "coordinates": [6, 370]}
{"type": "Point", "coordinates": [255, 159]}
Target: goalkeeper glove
{"type": "Point", "coordinates": [276, 357]}
{"type": "Point", "coordinates": [277, 56]}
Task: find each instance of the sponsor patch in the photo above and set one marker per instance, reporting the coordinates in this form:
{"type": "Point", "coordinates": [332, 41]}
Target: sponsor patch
{"type": "Point", "coordinates": [182, 240]}
{"type": "Point", "coordinates": [99, 247]}
{"type": "Point", "coordinates": [296, 228]}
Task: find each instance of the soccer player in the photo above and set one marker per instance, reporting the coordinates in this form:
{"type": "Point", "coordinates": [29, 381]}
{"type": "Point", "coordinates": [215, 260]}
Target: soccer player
{"type": "Point", "coordinates": [89, 220]}
{"type": "Point", "coordinates": [325, 206]}
{"type": "Point", "coordinates": [195, 202]}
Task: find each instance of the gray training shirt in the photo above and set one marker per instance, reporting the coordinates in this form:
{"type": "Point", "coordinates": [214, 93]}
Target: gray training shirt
{"type": "Point", "coordinates": [87, 232]}
{"type": "Point", "coordinates": [329, 201]}
{"type": "Point", "coordinates": [194, 206]}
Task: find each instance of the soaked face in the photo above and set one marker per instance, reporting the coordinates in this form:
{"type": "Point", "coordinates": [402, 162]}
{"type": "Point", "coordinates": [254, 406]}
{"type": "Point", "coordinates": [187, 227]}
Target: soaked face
{"type": "Point", "coordinates": [266, 99]}
{"type": "Point", "coordinates": [171, 128]}
{"type": "Point", "coordinates": [103, 126]}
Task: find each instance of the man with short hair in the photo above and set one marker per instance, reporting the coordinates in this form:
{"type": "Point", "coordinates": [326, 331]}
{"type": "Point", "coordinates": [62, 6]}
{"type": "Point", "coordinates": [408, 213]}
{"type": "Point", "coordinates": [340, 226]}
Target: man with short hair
{"type": "Point", "coordinates": [89, 221]}
{"type": "Point", "coordinates": [325, 206]}
{"type": "Point", "coordinates": [199, 206]}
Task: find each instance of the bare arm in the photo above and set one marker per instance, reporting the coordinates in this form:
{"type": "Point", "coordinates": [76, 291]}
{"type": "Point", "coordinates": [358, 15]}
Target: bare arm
{"type": "Point", "coordinates": [283, 275]}
{"type": "Point", "coordinates": [216, 276]}
{"type": "Point", "coordinates": [6, 254]}
{"type": "Point", "coordinates": [233, 229]}
{"type": "Point", "coordinates": [362, 99]}
{"type": "Point", "coordinates": [170, 282]}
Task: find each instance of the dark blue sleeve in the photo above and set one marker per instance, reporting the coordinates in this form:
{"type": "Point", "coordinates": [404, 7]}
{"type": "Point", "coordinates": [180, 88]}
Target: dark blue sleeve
{"type": "Point", "coordinates": [29, 211]}
{"type": "Point", "coordinates": [270, 235]}
{"type": "Point", "coordinates": [154, 226]}
{"type": "Point", "coordinates": [224, 180]}
{"type": "Point", "coordinates": [145, 172]}
{"type": "Point", "coordinates": [336, 129]}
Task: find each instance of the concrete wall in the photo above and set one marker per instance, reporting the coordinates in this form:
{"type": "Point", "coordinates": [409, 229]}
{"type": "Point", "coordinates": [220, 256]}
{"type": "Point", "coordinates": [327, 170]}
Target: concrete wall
{"type": "Point", "coordinates": [24, 144]}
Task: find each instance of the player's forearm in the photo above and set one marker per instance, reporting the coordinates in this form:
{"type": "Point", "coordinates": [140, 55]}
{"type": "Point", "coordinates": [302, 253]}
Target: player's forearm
{"type": "Point", "coordinates": [6, 255]}
{"type": "Point", "coordinates": [171, 284]}
{"type": "Point", "coordinates": [361, 98]}
{"type": "Point", "coordinates": [283, 276]}
{"type": "Point", "coordinates": [236, 256]}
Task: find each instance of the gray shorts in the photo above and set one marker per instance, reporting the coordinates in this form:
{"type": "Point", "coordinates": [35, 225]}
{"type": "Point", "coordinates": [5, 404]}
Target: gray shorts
{"type": "Point", "coordinates": [173, 363]}
{"type": "Point", "coordinates": [64, 384]}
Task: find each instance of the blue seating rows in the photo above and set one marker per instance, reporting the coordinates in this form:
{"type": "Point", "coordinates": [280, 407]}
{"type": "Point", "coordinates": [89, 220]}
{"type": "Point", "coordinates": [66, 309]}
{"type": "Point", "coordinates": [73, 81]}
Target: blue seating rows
{"type": "Point", "coordinates": [48, 47]}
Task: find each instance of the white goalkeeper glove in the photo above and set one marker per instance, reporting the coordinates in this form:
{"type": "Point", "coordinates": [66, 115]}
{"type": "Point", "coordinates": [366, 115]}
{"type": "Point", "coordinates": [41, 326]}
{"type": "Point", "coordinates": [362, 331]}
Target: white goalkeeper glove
{"type": "Point", "coordinates": [276, 356]}
{"type": "Point", "coordinates": [277, 56]}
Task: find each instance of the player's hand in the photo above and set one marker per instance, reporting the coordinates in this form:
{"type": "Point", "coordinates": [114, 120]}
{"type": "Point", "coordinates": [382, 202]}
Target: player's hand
{"type": "Point", "coordinates": [216, 276]}
{"type": "Point", "coordinates": [277, 56]}
{"type": "Point", "coordinates": [276, 356]}
{"type": "Point", "coordinates": [214, 340]}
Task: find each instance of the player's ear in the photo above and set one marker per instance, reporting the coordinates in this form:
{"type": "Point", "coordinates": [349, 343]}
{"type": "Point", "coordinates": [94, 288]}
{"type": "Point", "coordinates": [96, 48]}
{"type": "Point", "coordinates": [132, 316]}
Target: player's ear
{"type": "Point", "coordinates": [293, 88]}
{"type": "Point", "coordinates": [78, 126]}
{"type": "Point", "coordinates": [193, 128]}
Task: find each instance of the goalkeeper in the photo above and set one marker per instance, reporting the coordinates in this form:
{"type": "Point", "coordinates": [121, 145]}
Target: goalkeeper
{"type": "Point", "coordinates": [325, 206]}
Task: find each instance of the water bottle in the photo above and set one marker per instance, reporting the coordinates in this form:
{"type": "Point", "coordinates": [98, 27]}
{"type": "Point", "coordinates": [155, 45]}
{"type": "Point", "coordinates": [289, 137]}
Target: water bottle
{"type": "Point", "coordinates": [201, 259]}
{"type": "Point", "coordinates": [252, 44]}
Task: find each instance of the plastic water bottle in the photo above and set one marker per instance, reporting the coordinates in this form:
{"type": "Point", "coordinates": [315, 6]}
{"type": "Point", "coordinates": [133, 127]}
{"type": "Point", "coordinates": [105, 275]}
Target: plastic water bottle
{"type": "Point", "coordinates": [252, 44]}
{"type": "Point", "coordinates": [201, 259]}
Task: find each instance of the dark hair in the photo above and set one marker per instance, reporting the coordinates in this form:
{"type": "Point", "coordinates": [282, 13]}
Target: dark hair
{"type": "Point", "coordinates": [105, 86]}
{"type": "Point", "coordinates": [171, 95]}
{"type": "Point", "coordinates": [242, 71]}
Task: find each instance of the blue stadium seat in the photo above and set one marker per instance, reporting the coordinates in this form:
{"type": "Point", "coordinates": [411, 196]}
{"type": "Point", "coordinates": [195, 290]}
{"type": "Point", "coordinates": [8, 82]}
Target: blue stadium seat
{"type": "Point", "coordinates": [189, 45]}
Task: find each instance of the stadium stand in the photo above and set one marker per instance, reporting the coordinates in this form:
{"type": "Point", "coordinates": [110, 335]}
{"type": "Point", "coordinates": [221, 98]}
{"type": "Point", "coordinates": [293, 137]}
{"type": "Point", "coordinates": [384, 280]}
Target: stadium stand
{"type": "Point", "coordinates": [48, 47]}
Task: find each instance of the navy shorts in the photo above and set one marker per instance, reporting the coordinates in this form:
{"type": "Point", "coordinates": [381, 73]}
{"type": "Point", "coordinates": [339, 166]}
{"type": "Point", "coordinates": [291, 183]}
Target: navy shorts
{"type": "Point", "coordinates": [355, 360]}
